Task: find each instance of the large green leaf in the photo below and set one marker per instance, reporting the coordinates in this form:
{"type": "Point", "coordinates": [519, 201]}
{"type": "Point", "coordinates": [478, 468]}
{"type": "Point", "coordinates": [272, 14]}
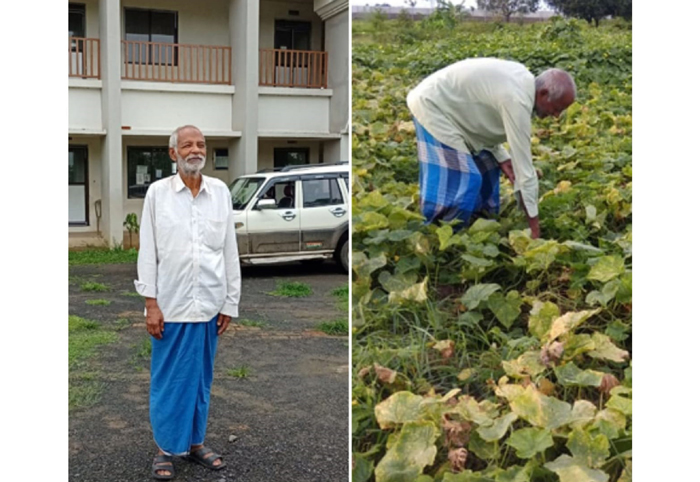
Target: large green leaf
{"type": "Point", "coordinates": [498, 428]}
{"type": "Point", "coordinates": [571, 375]}
{"type": "Point", "coordinates": [444, 234]}
{"type": "Point", "coordinates": [515, 473]}
{"type": "Point", "coordinates": [607, 268]}
{"type": "Point", "coordinates": [506, 308]}
{"type": "Point", "coordinates": [541, 318]}
{"type": "Point", "coordinates": [483, 449]}
{"type": "Point", "coordinates": [466, 476]}
{"type": "Point", "coordinates": [412, 451]}
{"type": "Point", "coordinates": [478, 293]}
{"type": "Point", "coordinates": [401, 407]}
{"type": "Point", "coordinates": [570, 470]}
{"type": "Point", "coordinates": [364, 266]}
{"type": "Point", "coordinates": [590, 450]}
{"type": "Point", "coordinates": [397, 282]}
{"type": "Point", "coordinates": [528, 442]}
{"type": "Point", "coordinates": [541, 410]}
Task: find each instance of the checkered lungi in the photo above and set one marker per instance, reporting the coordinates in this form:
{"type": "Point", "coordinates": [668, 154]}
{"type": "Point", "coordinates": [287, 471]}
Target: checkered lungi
{"type": "Point", "coordinates": [454, 184]}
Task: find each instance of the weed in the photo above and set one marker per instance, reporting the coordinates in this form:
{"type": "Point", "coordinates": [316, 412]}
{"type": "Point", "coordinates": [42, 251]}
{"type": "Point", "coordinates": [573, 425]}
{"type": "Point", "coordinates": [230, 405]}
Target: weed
{"type": "Point", "coordinates": [292, 289]}
{"type": "Point", "coordinates": [239, 372]}
{"type": "Point", "coordinates": [99, 302]}
{"type": "Point", "coordinates": [252, 323]}
{"type": "Point", "coordinates": [102, 256]}
{"type": "Point", "coordinates": [133, 294]}
{"type": "Point", "coordinates": [92, 286]}
{"type": "Point", "coordinates": [337, 327]}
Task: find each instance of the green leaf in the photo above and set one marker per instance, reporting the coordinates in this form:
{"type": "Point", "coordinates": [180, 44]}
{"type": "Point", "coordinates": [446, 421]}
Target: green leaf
{"type": "Point", "coordinates": [570, 470]}
{"type": "Point", "coordinates": [516, 473]}
{"type": "Point", "coordinates": [483, 449]}
{"type": "Point", "coordinates": [412, 451]}
{"type": "Point", "coordinates": [621, 404]}
{"type": "Point", "coordinates": [374, 199]}
{"type": "Point", "coordinates": [478, 293]}
{"type": "Point", "coordinates": [362, 468]}
{"type": "Point", "coordinates": [530, 441]}
{"type": "Point", "coordinates": [466, 476]}
{"type": "Point", "coordinates": [484, 225]}
{"type": "Point", "coordinates": [364, 267]}
{"type": "Point", "coordinates": [607, 268]}
{"type": "Point", "coordinates": [401, 407]}
{"type": "Point", "coordinates": [541, 410]}
{"type": "Point", "coordinates": [541, 318]}
{"type": "Point", "coordinates": [542, 254]}
{"type": "Point", "coordinates": [571, 375]}
{"type": "Point", "coordinates": [591, 451]}
{"type": "Point", "coordinates": [605, 349]}
{"type": "Point", "coordinates": [526, 365]}
{"type": "Point", "coordinates": [398, 282]}
{"type": "Point", "coordinates": [371, 220]}
{"type": "Point", "coordinates": [610, 423]}
{"type": "Point", "coordinates": [444, 234]}
{"type": "Point", "coordinates": [519, 241]}
{"type": "Point", "coordinates": [506, 308]}
{"type": "Point", "coordinates": [624, 292]}
{"type": "Point", "coordinates": [482, 413]}
{"type": "Point", "coordinates": [498, 429]}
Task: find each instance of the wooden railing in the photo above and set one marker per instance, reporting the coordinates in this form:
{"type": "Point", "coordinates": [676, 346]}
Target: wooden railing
{"type": "Point", "coordinates": [165, 62]}
{"type": "Point", "coordinates": [293, 68]}
{"type": "Point", "coordinates": [84, 57]}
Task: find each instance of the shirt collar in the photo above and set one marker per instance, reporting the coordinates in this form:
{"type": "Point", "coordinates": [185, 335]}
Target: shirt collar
{"type": "Point", "coordinates": [179, 184]}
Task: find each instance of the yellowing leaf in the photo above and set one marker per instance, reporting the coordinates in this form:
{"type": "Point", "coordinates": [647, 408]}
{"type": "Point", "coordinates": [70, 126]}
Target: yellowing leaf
{"type": "Point", "coordinates": [412, 451]}
{"type": "Point", "coordinates": [590, 450]}
{"type": "Point", "coordinates": [541, 410]}
{"type": "Point", "coordinates": [528, 442]}
{"type": "Point", "coordinates": [417, 292]}
{"type": "Point", "coordinates": [444, 234]}
{"type": "Point", "coordinates": [364, 267]}
{"type": "Point", "coordinates": [371, 220]}
{"type": "Point", "coordinates": [541, 318]}
{"type": "Point", "coordinates": [568, 322]}
{"type": "Point", "coordinates": [607, 268]}
{"type": "Point", "coordinates": [570, 470]}
{"type": "Point", "coordinates": [605, 349]}
{"type": "Point", "coordinates": [526, 365]}
{"type": "Point", "coordinates": [399, 408]}
{"type": "Point", "coordinates": [498, 428]}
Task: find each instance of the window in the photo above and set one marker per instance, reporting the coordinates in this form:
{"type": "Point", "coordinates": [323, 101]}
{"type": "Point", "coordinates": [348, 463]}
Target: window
{"type": "Point", "coordinates": [144, 166]}
{"type": "Point", "coordinates": [157, 26]}
{"type": "Point", "coordinates": [220, 158]}
{"type": "Point", "coordinates": [292, 35]}
{"type": "Point", "coordinates": [283, 194]}
{"type": "Point", "coordinates": [242, 191]}
{"type": "Point", "coordinates": [285, 156]}
{"type": "Point", "coordinates": [76, 24]}
{"type": "Point", "coordinates": [321, 192]}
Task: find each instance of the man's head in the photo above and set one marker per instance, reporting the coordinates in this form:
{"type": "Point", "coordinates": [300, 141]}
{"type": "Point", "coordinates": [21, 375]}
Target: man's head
{"type": "Point", "coordinates": [555, 90]}
{"type": "Point", "coordinates": [189, 149]}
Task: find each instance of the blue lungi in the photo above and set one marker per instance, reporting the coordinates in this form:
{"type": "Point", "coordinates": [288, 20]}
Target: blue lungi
{"type": "Point", "coordinates": [454, 184]}
{"type": "Point", "coordinates": [182, 370]}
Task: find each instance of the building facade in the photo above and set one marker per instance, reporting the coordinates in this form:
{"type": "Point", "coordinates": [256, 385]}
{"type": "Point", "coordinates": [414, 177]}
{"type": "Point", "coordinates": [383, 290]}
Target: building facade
{"type": "Point", "coordinates": [266, 81]}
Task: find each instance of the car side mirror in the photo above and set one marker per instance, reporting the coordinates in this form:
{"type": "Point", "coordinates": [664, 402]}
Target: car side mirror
{"type": "Point", "coordinates": [266, 204]}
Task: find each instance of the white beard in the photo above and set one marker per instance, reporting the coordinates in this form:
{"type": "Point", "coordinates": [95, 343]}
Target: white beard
{"type": "Point", "coordinates": [189, 167]}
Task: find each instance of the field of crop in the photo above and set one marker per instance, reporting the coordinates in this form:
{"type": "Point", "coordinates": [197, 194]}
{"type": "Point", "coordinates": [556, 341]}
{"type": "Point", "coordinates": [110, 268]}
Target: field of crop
{"type": "Point", "coordinates": [482, 355]}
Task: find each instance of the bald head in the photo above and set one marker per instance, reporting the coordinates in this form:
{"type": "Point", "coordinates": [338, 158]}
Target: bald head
{"type": "Point", "coordinates": [555, 90]}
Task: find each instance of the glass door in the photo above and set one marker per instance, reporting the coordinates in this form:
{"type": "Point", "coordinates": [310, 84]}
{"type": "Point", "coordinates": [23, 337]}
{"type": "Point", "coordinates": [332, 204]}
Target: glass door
{"type": "Point", "coordinates": [78, 186]}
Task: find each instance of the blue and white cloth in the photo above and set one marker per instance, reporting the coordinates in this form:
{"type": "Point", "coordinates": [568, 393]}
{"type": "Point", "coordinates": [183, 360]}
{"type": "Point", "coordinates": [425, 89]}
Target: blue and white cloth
{"type": "Point", "coordinates": [454, 184]}
{"type": "Point", "coordinates": [182, 370]}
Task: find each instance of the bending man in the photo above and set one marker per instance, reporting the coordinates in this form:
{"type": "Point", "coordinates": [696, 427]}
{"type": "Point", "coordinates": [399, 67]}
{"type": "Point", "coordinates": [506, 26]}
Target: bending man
{"type": "Point", "coordinates": [463, 113]}
{"type": "Point", "coordinates": [189, 273]}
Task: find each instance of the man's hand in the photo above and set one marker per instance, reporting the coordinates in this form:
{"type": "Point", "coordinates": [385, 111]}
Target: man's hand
{"type": "Point", "coordinates": [507, 168]}
{"type": "Point", "coordinates": [154, 319]}
{"type": "Point", "coordinates": [222, 323]}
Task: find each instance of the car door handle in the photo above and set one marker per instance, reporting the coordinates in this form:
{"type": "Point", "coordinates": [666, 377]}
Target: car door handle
{"type": "Point", "coordinates": [338, 212]}
{"type": "Point", "coordinates": [288, 215]}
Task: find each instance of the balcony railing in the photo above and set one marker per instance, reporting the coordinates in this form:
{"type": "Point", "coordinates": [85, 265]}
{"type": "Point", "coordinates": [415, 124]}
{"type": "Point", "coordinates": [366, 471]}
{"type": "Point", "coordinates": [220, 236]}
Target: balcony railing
{"type": "Point", "coordinates": [84, 57]}
{"type": "Point", "coordinates": [166, 62]}
{"type": "Point", "coordinates": [293, 68]}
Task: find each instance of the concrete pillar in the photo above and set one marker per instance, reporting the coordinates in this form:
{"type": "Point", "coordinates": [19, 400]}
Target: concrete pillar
{"type": "Point", "coordinates": [244, 26]}
{"type": "Point", "coordinates": [336, 23]}
{"type": "Point", "coordinates": [111, 158]}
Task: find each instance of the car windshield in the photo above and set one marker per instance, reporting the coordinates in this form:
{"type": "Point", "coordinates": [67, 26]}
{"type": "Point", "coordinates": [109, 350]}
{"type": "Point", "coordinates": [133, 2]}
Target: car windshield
{"type": "Point", "coordinates": [243, 189]}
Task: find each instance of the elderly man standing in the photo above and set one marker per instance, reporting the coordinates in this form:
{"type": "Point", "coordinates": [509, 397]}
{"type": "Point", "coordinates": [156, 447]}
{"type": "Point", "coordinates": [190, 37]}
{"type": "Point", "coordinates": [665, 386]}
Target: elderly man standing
{"type": "Point", "coordinates": [463, 113]}
{"type": "Point", "coordinates": [189, 273]}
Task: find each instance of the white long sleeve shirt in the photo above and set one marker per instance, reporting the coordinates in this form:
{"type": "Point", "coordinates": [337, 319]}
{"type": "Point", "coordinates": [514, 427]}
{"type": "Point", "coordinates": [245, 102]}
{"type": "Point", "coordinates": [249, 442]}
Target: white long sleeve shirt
{"type": "Point", "coordinates": [188, 255]}
{"type": "Point", "coordinates": [478, 104]}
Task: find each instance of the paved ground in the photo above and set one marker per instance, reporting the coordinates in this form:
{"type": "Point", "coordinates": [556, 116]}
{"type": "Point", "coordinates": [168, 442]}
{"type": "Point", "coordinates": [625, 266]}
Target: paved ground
{"type": "Point", "coordinates": [289, 417]}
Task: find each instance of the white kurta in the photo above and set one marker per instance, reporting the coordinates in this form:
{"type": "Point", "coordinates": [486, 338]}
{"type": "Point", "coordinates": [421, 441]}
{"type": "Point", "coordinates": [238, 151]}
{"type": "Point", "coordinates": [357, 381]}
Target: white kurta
{"type": "Point", "coordinates": [478, 104]}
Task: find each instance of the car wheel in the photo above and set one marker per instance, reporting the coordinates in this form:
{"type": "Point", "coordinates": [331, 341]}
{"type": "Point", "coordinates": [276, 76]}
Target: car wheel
{"type": "Point", "coordinates": [342, 257]}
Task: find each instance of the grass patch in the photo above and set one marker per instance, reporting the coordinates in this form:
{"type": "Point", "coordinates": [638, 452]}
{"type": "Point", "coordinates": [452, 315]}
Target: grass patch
{"type": "Point", "coordinates": [242, 371]}
{"type": "Point", "coordinates": [84, 338]}
{"type": "Point", "coordinates": [292, 289]}
{"type": "Point", "coordinates": [123, 323]}
{"type": "Point", "coordinates": [337, 327]}
{"type": "Point", "coordinates": [342, 295]}
{"type": "Point", "coordinates": [252, 323]}
{"type": "Point", "coordinates": [92, 286]}
{"type": "Point", "coordinates": [142, 353]}
{"type": "Point", "coordinates": [102, 256]}
{"type": "Point", "coordinates": [99, 302]}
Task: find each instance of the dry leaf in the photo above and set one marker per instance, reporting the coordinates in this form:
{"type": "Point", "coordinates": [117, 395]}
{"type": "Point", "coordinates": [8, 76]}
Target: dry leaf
{"type": "Point", "coordinates": [385, 375]}
{"type": "Point", "coordinates": [608, 383]}
{"type": "Point", "coordinates": [458, 459]}
{"type": "Point", "coordinates": [546, 387]}
{"type": "Point", "coordinates": [364, 371]}
{"type": "Point", "coordinates": [446, 348]}
{"type": "Point", "coordinates": [456, 432]}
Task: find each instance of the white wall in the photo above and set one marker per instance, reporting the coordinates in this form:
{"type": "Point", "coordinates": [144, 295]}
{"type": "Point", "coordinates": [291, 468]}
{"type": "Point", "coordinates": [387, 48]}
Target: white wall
{"type": "Point", "coordinates": [272, 10]}
{"type": "Point", "coordinates": [266, 159]}
{"type": "Point", "coordinates": [84, 108]}
{"type": "Point", "coordinates": [297, 113]}
{"type": "Point", "coordinates": [167, 110]}
{"type": "Point", "coordinates": [338, 47]}
{"type": "Point", "coordinates": [92, 18]}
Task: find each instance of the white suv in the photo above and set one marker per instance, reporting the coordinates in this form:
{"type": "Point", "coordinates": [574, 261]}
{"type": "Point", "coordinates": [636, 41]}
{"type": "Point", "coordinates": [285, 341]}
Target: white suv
{"type": "Point", "coordinates": [297, 213]}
